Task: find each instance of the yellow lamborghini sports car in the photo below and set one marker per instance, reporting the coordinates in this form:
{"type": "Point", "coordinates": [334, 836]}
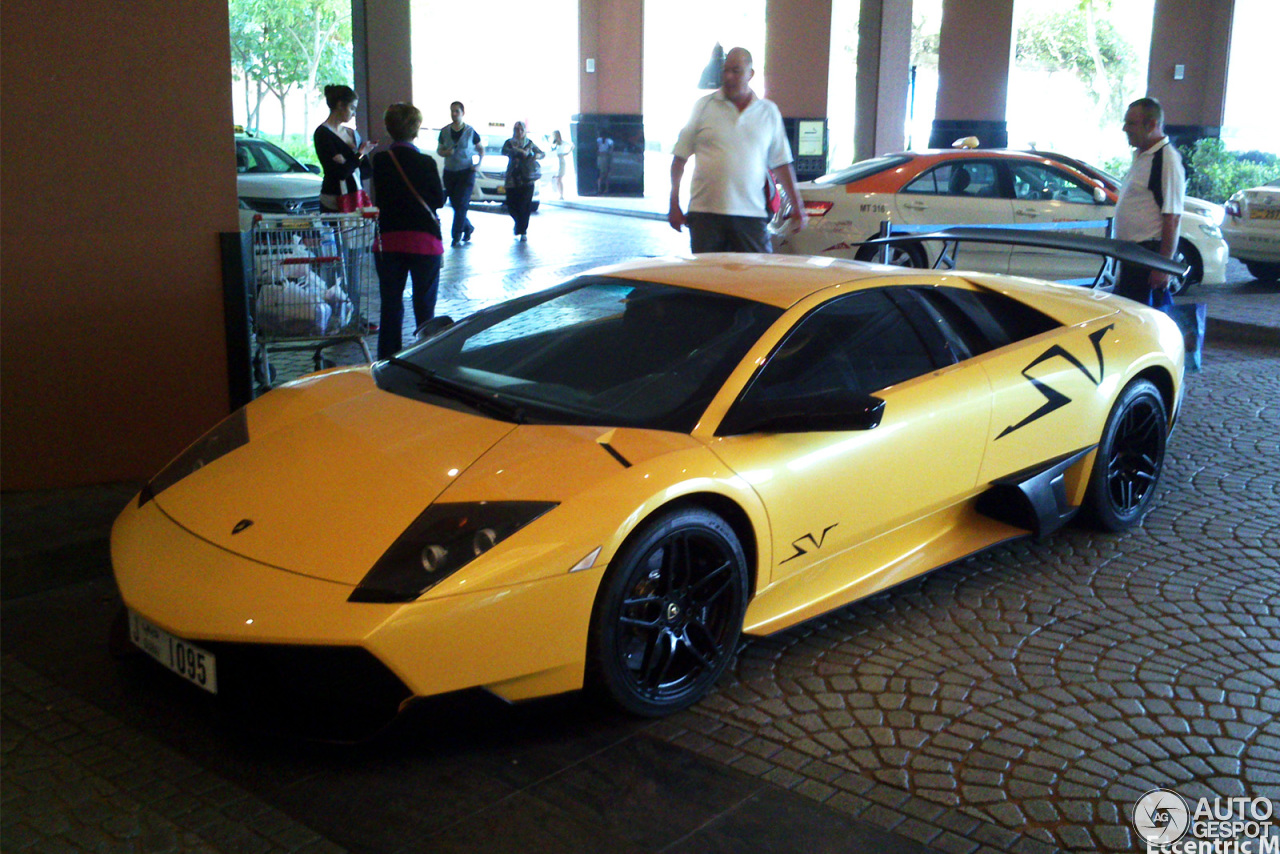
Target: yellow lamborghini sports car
{"type": "Point", "coordinates": [608, 482]}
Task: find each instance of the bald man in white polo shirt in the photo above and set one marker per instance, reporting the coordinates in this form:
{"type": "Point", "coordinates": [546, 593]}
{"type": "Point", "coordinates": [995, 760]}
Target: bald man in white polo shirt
{"type": "Point", "coordinates": [737, 138]}
{"type": "Point", "coordinates": [1149, 210]}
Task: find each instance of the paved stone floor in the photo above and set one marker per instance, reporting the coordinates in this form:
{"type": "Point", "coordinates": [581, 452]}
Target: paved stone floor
{"type": "Point", "coordinates": [1020, 700]}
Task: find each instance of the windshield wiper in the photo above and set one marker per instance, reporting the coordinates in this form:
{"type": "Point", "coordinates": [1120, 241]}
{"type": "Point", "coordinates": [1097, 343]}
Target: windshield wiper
{"type": "Point", "coordinates": [485, 402]}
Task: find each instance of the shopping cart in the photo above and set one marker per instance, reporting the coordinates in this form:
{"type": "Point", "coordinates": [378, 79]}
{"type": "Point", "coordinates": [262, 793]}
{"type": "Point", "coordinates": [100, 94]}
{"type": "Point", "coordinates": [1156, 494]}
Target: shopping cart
{"type": "Point", "coordinates": [311, 283]}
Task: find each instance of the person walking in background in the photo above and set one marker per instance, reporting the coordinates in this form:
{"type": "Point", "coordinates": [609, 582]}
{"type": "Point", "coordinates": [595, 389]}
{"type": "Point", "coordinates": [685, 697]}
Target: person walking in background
{"type": "Point", "coordinates": [604, 162]}
{"type": "Point", "coordinates": [344, 164]}
{"type": "Point", "coordinates": [522, 173]}
{"type": "Point", "coordinates": [561, 148]}
{"type": "Point", "coordinates": [408, 191]}
{"type": "Point", "coordinates": [738, 138]}
{"type": "Point", "coordinates": [1149, 210]}
{"type": "Point", "coordinates": [461, 147]}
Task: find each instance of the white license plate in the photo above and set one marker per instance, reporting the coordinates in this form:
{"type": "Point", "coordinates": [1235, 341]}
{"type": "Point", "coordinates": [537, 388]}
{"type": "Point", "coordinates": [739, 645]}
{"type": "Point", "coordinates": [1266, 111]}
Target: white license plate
{"type": "Point", "coordinates": [191, 662]}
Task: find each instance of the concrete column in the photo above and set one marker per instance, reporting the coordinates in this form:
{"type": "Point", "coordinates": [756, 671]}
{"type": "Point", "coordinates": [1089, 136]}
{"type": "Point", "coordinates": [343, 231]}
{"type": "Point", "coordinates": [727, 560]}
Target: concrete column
{"type": "Point", "coordinates": [382, 60]}
{"type": "Point", "coordinates": [1195, 37]}
{"type": "Point", "coordinates": [797, 54]}
{"type": "Point", "coordinates": [610, 94]}
{"type": "Point", "coordinates": [884, 67]}
{"type": "Point", "coordinates": [974, 57]}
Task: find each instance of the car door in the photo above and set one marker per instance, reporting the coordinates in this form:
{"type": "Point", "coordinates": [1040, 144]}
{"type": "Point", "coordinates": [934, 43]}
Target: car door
{"type": "Point", "coordinates": [1047, 381]}
{"type": "Point", "coordinates": [961, 192]}
{"type": "Point", "coordinates": [1045, 194]}
{"type": "Point", "coordinates": [829, 490]}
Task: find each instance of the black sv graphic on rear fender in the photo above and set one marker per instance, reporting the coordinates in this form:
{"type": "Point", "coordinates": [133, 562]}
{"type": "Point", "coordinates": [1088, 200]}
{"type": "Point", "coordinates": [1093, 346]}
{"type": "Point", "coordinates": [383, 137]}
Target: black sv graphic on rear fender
{"type": "Point", "coordinates": [1055, 399]}
{"type": "Point", "coordinates": [817, 543]}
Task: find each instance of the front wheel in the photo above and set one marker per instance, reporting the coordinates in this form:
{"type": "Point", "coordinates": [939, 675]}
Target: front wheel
{"type": "Point", "coordinates": [1188, 255]}
{"type": "Point", "coordinates": [669, 613]}
{"type": "Point", "coordinates": [1129, 459]}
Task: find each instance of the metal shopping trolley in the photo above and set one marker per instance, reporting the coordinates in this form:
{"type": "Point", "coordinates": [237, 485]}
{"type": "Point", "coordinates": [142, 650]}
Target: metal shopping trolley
{"type": "Point", "coordinates": [311, 284]}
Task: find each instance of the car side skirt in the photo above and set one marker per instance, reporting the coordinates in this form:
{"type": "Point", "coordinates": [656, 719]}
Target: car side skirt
{"type": "Point", "coordinates": [941, 538]}
{"type": "Point", "coordinates": [1037, 498]}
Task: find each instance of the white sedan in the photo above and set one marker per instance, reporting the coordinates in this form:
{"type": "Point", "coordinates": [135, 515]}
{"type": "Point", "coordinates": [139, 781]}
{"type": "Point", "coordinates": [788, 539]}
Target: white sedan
{"type": "Point", "coordinates": [974, 187]}
{"type": "Point", "coordinates": [1252, 229]}
{"type": "Point", "coordinates": [269, 180]}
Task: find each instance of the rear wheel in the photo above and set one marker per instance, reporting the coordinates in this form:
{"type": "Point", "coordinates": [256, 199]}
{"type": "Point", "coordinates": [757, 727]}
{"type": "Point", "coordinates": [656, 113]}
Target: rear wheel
{"type": "Point", "coordinates": [900, 255]}
{"type": "Point", "coordinates": [669, 613]}
{"type": "Point", "coordinates": [1130, 458]}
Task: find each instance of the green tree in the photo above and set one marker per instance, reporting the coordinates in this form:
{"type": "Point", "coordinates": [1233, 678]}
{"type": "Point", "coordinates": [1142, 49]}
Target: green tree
{"type": "Point", "coordinates": [278, 46]}
{"type": "Point", "coordinates": [1084, 43]}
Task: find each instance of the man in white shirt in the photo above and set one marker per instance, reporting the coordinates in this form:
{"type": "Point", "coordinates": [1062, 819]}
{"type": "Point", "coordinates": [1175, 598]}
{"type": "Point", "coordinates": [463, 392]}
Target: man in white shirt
{"type": "Point", "coordinates": [737, 138]}
{"type": "Point", "coordinates": [1149, 211]}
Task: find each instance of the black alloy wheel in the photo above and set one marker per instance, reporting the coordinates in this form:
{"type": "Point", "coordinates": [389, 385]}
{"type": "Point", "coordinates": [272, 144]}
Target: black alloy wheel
{"type": "Point", "coordinates": [1130, 458]}
{"type": "Point", "coordinates": [1188, 255]}
{"type": "Point", "coordinates": [669, 613]}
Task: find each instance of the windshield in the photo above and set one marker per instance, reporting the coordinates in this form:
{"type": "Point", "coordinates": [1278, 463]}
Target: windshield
{"type": "Point", "coordinates": [255, 157]}
{"type": "Point", "coordinates": [596, 350]}
{"type": "Point", "coordinates": [862, 169]}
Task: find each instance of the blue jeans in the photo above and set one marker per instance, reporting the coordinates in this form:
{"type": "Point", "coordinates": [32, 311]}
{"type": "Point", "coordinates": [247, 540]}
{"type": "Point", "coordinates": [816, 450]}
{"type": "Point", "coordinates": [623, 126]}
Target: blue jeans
{"type": "Point", "coordinates": [457, 186]}
{"type": "Point", "coordinates": [394, 268]}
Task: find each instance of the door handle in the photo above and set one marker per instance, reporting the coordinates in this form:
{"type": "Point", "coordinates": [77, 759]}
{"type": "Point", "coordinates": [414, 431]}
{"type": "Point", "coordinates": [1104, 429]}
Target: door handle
{"type": "Point", "coordinates": [1027, 213]}
{"type": "Point", "coordinates": [915, 206]}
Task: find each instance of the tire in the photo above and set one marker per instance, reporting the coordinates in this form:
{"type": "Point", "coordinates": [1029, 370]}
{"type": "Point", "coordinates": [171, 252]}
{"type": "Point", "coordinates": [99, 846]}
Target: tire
{"type": "Point", "coordinates": [1130, 458]}
{"type": "Point", "coordinates": [669, 613]}
{"type": "Point", "coordinates": [1190, 256]}
{"type": "Point", "coordinates": [1263, 271]}
{"type": "Point", "coordinates": [900, 255]}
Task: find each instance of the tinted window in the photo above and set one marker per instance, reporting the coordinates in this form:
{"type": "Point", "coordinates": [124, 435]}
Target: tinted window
{"type": "Point", "coordinates": [259, 157]}
{"type": "Point", "coordinates": [1036, 182]}
{"type": "Point", "coordinates": [595, 351]}
{"type": "Point", "coordinates": [958, 178]}
{"type": "Point", "coordinates": [860, 343]}
{"type": "Point", "coordinates": [984, 320]}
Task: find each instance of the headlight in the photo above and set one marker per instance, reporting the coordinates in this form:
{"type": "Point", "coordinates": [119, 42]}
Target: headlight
{"type": "Point", "coordinates": [229, 434]}
{"type": "Point", "coordinates": [441, 541]}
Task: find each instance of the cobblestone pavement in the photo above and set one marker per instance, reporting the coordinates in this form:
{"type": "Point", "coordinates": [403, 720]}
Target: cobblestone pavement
{"type": "Point", "coordinates": [1039, 689]}
{"type": "Point", "coordinates": [1020, 700]}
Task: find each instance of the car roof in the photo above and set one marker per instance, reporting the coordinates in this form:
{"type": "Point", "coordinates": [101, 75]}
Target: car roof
{"type": "Point", "coordinates": [892, 179]}
{"type": "Point", "coordinates": [779, 280]}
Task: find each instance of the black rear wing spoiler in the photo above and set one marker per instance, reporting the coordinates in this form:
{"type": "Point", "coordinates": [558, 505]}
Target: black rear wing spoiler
{"type": "Point", "coordinates": [1110, 251]}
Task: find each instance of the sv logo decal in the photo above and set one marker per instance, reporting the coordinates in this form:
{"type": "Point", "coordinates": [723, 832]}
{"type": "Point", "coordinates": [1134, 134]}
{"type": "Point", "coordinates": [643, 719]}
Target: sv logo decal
{"type": "Point", "coordinates": [1054, 399]}
{"type": "Point", "coordinates": [816, 541]}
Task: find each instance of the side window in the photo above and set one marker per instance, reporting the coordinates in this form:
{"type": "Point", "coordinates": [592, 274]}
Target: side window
{"type": "Point", "coordinates": [1036, 181]}
{"type": "Point", "coordinates": [959, 178]}
{"type": "Point", "coordinates": [860, 343]}
{"type": "Point", "coordinates": [984, 320]}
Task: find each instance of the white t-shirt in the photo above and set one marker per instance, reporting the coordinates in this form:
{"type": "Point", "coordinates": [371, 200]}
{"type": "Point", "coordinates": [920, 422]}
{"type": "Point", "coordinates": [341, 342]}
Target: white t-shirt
{"type": "Point", "coordinates": [1138, 218]}
{"type": "Point", "coordinates": [734, 152]}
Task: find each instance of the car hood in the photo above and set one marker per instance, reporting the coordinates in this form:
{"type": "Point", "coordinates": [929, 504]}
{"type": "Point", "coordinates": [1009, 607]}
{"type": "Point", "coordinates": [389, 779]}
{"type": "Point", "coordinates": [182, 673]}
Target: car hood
{"type": "Point", "coordinates": [327, 488]}
{"type": "Point", "coordinates": [278, 185]}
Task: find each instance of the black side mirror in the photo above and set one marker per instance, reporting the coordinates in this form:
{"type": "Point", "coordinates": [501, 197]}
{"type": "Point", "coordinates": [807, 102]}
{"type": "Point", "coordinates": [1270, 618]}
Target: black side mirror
{"type": "Point", "coordinates": [836, 411]}
{"type": "Point", "coordinates": [314, 168]}
{"type": "Point", "coordinates": [432, 327]}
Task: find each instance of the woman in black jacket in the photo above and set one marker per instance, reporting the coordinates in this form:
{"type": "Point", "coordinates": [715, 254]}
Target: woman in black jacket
{"type": "Point", "coordinates": [407, 189]}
